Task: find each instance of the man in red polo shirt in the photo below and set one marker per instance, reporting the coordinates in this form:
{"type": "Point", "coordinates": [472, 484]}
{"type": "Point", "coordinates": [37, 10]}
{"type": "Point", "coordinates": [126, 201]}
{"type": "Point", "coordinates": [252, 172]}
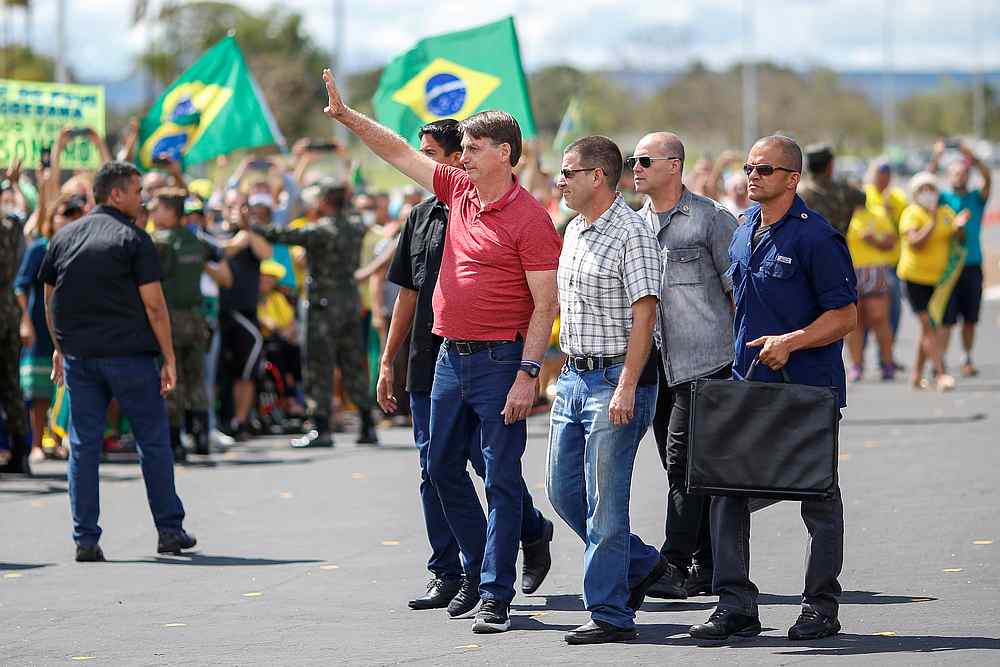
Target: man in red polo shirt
{"type": "Point", "coordinates": [494, 304]}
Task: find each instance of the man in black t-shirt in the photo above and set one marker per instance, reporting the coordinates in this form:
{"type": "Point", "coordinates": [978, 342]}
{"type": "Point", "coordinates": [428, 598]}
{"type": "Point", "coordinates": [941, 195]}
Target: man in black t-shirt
{"type": "Point", "coordinates": [105, 309]}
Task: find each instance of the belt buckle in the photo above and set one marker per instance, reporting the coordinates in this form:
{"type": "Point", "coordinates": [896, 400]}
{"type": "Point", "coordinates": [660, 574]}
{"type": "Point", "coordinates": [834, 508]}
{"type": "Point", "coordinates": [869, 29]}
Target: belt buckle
{"type": "Point", "coordinates": [463, 347]}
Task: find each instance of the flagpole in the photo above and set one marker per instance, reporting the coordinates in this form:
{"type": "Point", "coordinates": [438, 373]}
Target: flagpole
{"type": "Point", "coordinates": [749, 79]}
{"type": "Point", "coordinates": [61, 41]}
{"type": "Point", "coordinates": [337, 59]}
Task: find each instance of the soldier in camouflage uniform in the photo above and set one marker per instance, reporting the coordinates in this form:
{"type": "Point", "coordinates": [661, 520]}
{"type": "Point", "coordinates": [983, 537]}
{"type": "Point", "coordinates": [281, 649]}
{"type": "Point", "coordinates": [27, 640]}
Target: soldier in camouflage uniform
{"type": "Point", "coordinates": [184, 257]}
{"type": "Point", "coordinates": [834, 200]}
{"type": "Point", "coordinates": [333, 250]}
{"type": "Point", "coordinates": [11, 400]}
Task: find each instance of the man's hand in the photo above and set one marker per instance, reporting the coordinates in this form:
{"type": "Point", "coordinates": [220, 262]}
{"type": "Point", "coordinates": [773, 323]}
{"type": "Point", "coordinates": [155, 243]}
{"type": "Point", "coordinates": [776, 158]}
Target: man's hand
{"type": "Point", "coordinates": [774, 352]}
{"type": "Point", "coordinates": [27, 332]}
{"type": "Point", "coordinates": [938, 150]}
{"type": "Point", "coordinates": [168, 377]}
{"type": "Point", "coordinates": [383, 390]}
{"type": "Point", "coordinates": [962, 219]}
{"type": "Point", "coordinates": [335, 105]}
{"type": "Point", "coordinates": [57, 369]}
{"type": "Point", "coordinates": [520, 398]}
{"type": "Point", "coordinates": [14, 172]}
{"type": "Point", "coordinates": [622, 407]}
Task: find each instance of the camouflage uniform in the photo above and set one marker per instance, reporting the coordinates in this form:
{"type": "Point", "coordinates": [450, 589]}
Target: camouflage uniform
{"type": "Point", "coordinates": [333, 249]}
{"type": "Point", "coordinates": [11, 400]}
{"type": "Point", "coordinates": [834, 200]}
{"type": "Point", "coordinates": [183, 256]}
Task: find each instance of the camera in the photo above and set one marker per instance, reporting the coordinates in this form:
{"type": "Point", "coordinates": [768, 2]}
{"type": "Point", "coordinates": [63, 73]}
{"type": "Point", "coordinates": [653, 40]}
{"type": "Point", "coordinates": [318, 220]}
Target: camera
{"type": "Point", "coordinates": [79, 132]}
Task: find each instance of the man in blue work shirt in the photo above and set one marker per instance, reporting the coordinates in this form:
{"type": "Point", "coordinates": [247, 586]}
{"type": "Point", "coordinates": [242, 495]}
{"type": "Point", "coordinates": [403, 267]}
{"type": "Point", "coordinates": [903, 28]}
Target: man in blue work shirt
{"type": "Point", "coordinates": [795, 292]}
{"type": "Point", "coordinates": [967, 297]}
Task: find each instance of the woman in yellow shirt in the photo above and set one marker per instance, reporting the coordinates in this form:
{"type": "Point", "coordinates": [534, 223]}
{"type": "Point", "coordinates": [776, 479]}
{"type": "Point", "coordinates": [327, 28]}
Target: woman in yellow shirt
{"type": "Point", "coordinates": [926, 230]}
{"type": "Point", "coordinates": [874, 246]}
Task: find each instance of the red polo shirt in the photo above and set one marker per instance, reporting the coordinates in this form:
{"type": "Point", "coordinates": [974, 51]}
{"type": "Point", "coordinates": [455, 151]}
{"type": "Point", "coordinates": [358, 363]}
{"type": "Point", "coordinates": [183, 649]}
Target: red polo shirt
{"type": "Point", "coordinates": [481, 292]}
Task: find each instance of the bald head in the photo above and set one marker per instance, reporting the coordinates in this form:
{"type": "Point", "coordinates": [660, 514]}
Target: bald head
{"type": "Point", "coordinates": [666, 144]}
{"type": "Point", "coordinates": [791, 154]}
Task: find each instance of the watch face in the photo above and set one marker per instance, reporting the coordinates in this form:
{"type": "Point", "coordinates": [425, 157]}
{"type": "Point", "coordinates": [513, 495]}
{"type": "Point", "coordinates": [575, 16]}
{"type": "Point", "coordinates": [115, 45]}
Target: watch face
{"type": "Point", "coordinates": [530, 370]}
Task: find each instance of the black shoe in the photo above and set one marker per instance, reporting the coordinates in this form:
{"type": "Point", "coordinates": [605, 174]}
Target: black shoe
{"type": "Point", "coordinates": [813, 625]}
{"type": "Point", "coordinates": [312, 439]}
{"type": "Point", "coordinates": [699, 581]}
{"type": "Point", "coordinates": [241, 432]}
{"type": "Point", "coordinates": [465, 600]}
{"type": "Point", "coordinates": [18, 465]}
{"type": "Point", "coordinates": [439, 594]}
{"type": "Point", "coordinates": [724, 623]}
{"type": "Point", "coordinates": [670, 586]}
{"type": "Point", "coordinates": [638, 594]}
{"type": "Point", "coordinates": [537, 560]}
{"type": "Point", "coordinates": [174, 541]}
{"type": "Point", "coordinates": [599, 632]}
{"type": "Point", "coordinates": [492, 617]}
{"type": "Point", "coordinates": [197, 426]}
{"type": "Point", "coordinates": [89, 554]}
{"type": "Point", "coordinates": [367, 435]}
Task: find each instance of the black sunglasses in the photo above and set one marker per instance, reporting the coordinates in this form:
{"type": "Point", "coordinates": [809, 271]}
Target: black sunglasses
{"type": "Point", "coordinates": [645, 160]}
{"type": "Point", "coordinates": [568, 173]}
{"type": "Point", "coordinates": [765, 169]}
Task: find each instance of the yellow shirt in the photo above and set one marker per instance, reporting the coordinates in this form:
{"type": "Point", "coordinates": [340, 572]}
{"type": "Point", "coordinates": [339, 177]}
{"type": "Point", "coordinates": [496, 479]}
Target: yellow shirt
{"type": "Point", "coordinates": [274, 312]}
{"type": "Point", "coordinates": [875, 221]}
{"type": "Point", "coordinates": [925, 265]}
{"type": "Point", "coordinates": [893, 200]}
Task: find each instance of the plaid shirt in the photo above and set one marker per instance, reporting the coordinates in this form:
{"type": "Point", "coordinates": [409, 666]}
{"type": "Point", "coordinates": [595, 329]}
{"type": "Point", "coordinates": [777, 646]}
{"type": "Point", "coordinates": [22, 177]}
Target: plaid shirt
{"type": "Point", "coordinates": [604, 268]}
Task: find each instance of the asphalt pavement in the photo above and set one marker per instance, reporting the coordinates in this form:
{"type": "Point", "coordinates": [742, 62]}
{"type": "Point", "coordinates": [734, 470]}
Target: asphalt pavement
{"type": "Point", "coordinates": [309, 557]}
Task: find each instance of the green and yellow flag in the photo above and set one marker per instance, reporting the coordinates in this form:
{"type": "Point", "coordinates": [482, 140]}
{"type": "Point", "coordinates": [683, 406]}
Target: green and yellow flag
{"type": "Point", "coordinates": [214, 108]}
{"type": "Point", "coordinates": [453, 76]}
{"type": "Point", "coordinates": [571, 127]}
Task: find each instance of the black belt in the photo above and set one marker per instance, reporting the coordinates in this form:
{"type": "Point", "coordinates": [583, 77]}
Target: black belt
{"type": "Point", "coordinates": [467, 347]}
{"type": "Point", "coordinates": [583, 364]}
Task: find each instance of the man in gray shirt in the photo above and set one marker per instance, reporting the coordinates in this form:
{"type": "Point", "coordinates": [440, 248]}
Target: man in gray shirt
{"type": "Point", "coordinates": [695, 341]}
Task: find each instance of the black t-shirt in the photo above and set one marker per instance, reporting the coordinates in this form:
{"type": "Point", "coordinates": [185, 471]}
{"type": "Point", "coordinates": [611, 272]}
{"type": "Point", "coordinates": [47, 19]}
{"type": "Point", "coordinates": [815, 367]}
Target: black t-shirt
{"type": "Point", "coordinates": [243, 295]}
{"type": "Point", "coordinates": [97, 265]}
{"type": "Point", "coordinates": [415, 266]}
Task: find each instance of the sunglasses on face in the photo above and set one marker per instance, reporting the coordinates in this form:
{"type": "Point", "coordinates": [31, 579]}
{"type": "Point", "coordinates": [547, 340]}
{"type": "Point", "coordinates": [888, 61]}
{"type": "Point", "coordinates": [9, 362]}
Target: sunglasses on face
{"type": "Point", "coordinates": [645, 161]}
{"type": "Point", "coordinates": [568, 173]}
{"type": "Point", "coordinates": [765, 169]}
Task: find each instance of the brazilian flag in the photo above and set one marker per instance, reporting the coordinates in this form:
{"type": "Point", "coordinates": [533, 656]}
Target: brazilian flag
{"type": "Point", "coordinates": [215, 107]}
{"type": "Point", "coordinates": [453, 76]}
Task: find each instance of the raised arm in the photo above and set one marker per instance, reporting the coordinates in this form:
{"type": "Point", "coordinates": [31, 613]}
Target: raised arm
{"type": "Point", "coordinates": [381, 140]}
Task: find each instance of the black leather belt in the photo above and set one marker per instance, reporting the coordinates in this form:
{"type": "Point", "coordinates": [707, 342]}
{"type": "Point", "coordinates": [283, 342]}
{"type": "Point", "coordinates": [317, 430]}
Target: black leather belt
{"type": "Point", "coordinates": [583, 364]}
{"type": "Point", "coordinates": [467, 347]}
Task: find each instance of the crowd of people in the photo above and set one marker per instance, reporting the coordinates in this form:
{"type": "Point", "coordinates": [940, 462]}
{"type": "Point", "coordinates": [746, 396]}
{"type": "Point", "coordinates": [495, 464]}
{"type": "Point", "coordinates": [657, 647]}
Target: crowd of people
{"type": "Point", "coordinates": [181, 316]}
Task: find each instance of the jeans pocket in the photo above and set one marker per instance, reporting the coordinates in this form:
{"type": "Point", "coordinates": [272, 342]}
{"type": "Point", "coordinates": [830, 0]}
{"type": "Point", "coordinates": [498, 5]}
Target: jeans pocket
{"type": "Point", "coordinates": [507, 354]}
{"type": "Point", "coordinates": [612, 374]}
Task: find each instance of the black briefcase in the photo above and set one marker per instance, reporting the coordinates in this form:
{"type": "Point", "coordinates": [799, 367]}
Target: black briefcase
{"type": "Point", "coordinates": [763, 439]}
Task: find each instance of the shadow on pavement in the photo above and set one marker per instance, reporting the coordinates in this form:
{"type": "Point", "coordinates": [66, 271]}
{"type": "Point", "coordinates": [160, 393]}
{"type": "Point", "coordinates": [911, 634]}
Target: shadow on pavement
{"type": "Point", "coordinates": [842, 644]}
{"type": "Point", "coordinates": [848, 597]}
{"type": "Point", "coordinates": [565, 602]}
{"type": "Point", "coordinates": [972, 388]}
{"type": "Point", "coordinates": [4, 567]}
{"type": "Point", "coordinates": [206, 560]}
{"type": "Point", "coordinates": [915, 421]}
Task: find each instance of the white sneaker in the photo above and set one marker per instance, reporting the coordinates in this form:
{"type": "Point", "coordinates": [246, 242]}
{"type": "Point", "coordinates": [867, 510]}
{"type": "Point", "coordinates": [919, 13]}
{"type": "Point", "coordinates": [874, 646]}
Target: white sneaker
{"type": "Point", "coordinates": [220, 439]}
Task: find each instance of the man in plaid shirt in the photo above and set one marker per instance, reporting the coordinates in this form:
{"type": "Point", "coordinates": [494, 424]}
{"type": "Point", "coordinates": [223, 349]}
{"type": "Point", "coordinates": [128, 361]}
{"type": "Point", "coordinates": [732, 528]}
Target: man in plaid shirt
{"type": "Point", "coordinates": [609, 285]}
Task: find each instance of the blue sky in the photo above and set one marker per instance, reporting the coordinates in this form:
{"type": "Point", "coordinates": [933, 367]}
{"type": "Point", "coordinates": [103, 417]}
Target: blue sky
{"type": "Point", "coordinates": [663, 34]}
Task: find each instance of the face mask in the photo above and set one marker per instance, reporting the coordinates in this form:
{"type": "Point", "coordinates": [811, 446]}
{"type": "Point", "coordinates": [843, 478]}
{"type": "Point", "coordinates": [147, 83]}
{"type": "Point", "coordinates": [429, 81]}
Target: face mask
{"type": "Point", "coordinates": [10, 209]}
{"type": "Point", "coordinates": [368, 218]}
{"type": "Point", "coordinates": [927, 199]}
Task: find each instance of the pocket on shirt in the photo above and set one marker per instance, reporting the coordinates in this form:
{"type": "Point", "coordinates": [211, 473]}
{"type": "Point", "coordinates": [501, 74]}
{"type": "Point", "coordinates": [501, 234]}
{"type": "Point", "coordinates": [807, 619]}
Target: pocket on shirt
{"type": "Point", "coordinates": [780, 270]}
{"type": "Point", "coordinates": [683, 267]}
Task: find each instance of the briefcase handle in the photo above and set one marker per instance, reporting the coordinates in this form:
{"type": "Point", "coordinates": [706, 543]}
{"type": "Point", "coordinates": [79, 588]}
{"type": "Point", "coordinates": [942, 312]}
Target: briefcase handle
{"type": "Point", "coordinates": [753, 366]}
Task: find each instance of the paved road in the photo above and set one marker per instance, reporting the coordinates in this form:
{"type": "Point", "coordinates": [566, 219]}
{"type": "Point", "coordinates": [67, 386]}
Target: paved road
{"type": "Point", "coordinates": [309, 558]}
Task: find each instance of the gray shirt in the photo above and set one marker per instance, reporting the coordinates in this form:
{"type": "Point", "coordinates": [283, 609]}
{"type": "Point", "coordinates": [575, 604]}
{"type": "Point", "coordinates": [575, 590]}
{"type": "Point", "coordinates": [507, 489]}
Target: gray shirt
{"type": "Point", "coordinates": [695, 318]}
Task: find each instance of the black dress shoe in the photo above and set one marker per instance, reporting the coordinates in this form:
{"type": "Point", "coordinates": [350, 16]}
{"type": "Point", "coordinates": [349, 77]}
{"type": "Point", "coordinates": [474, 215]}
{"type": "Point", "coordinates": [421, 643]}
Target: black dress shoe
{"type": "Point", "coordinates": [599, 632]}
{"type": "Point", "coordinates": [466, 600]}
{"type": "Point", "coordinates": [537, 560]}
{"type": "Point", "coordinates": [699, 581]}
{"type": "Point", "coordinates": [368, 435]}
{"type": "Point", "coordinates": [671, 586]}
{"type": "Point", "coordinates": [638, 593]}
{"type": "Point", "coordinates": [439, 594]}
{"type": "Point", "coordinates": [18, 465]}
{"type": "Point", "coordinates": [89, 554]}
{"type": "Point", "coordinates": [312, 439]}
{"type": "Point", "coordinates": [724, 623]}
{"type": "Point", "coordinates": [813, 625]}
{"type": "Point", "coordinates": [174, 541]}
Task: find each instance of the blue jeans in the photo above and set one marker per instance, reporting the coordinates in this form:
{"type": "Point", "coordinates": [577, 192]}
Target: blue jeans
{"type": "Point", "coordinates": [468, 393]}
{"type": "Point", "coordinates": [589, 480]}
{"type": "Point", "coordinates": [135, 382]}
{"type": "Point", "coordinates": [444, 562]}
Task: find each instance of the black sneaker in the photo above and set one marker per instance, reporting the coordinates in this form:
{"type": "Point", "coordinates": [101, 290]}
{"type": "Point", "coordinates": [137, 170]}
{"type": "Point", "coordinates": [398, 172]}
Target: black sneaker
{"type": "Point", "coordinates": [492, 617]}
{"type": "Point", "coordinates": [89, 554]}
{"type": "Point", "coordinates": [724, 623]}
{"type": "Point", "coordinates": [813, 625]}
{"type": "Point", "coordinates": [174, 541]}
{"type": "Point", "coordinates": [670, 586]}
{"type": "Point", "coordinates": [638, 593]}
{"type": "Point", "coordinates": [537, 560]}
{"type": "Point", "coordinates": [439, 593]}
{"type": "Point", "coordinates": [466, 600]}
{"type": "Point", "coordinates": [699, 581]}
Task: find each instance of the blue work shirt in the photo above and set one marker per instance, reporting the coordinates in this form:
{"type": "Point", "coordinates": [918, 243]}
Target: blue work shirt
{"type": "Point", "coordinates": [800, 269]}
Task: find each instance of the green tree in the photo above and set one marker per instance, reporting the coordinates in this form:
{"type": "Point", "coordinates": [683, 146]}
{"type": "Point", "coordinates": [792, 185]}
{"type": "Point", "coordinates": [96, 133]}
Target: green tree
{"type": "Point", "coordinates": [20, 62]}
